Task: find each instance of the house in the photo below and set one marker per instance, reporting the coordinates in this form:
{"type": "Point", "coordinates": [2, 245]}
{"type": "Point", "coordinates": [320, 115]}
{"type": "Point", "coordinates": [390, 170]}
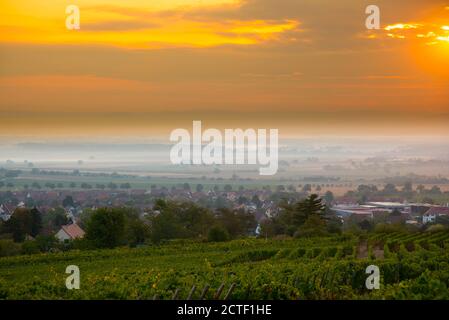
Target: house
{"type": "Point", "coordinates": [428, 218]}
{"type": "Point", "coordinates": [70, 232]}
{"type": "Point", "coordinates": [70, 213]}
{"type": "Point", "coordinates": [5, 212]}
{"type": "Point", "coordinates": [434, 212]}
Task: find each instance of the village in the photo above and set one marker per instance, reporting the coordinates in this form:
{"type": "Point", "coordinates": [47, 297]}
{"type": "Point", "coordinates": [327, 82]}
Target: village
{"type": "Point", "coordinates": [263, 204]}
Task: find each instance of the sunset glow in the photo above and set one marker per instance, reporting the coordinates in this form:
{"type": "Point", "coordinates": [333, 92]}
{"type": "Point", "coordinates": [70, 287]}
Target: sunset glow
{"type": "Point", "coordinates": [291, 60]}
{"type": "Point", "coordinates": [431, 33]}
{"type": "Point", "coordinates": [141, 24]}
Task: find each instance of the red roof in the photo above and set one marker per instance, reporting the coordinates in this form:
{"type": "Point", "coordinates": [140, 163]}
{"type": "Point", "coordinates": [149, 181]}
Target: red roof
{"type": "Point", "coordinates": [73, 230]}
{"type": "Point", "coordinates": [438, 211]}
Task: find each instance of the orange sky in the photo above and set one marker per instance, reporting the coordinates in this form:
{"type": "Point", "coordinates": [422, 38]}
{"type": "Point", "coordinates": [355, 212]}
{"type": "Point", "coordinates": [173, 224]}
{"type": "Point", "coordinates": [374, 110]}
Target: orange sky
{"type": "Point", "coordinates": [150, 66]}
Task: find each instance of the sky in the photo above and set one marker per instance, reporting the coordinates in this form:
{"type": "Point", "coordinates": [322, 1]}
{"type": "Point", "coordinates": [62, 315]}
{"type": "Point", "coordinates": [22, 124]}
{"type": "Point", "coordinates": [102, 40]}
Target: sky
{"type": "Point", "coordinates": [146, 67]}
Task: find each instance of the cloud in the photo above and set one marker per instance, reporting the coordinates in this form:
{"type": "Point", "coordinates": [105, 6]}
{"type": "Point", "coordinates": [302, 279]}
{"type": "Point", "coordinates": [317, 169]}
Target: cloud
{"type": "Point", "coordinates": [118, 25]}
{"type": "Point", "coordinates": [153, 25]}
{"type": "Point", "coordinates": [254, 55]}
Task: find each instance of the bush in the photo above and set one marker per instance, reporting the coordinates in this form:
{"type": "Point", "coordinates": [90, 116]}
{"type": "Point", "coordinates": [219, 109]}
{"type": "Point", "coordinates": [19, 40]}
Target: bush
{"type": "Point", "coordinates": [347, 251]}
{"type": "Point", "coordinates": [82, 244]}
{"type": "Point", "coordinates": [30, 247]}
{"type": "Point", "coordinates": [9, 248]}
{"type": "Point", "coordinates": [436, 228]}
{"type": "Point", "coordinates": [298, 253]}
{"type": "Point", "coordinates": [106, 227]}
{"type": "Point", "coordinates": [389, 228]}
{"type": "Point", "coordinates": [218, 234]}
{"type": "Point", "coordinates": [314, 226]}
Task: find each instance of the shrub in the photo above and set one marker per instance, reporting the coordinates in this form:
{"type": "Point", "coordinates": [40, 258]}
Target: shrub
{"type": "Point", "coordinates": [314, 226]}
{"type": "Point", "coordinates": [30, 247]}
{"type": "Point", "coordinates": [436, 228]}
{"type": "Point", "coordinates": [9, 248]}
{"type": "Point", "coordinates": [347, 251]}
{"type": "Point", "coordinates": [218, 234]}
{"type": "Point", "coordinates": [106, 227]}
{"type": "Point", "coordinates": [298, 253]}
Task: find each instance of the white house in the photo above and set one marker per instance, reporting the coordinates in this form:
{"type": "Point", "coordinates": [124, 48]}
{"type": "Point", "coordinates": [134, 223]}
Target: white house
{"type": "Point", "coordinates": [5, 213]}
{"type": "Point", "coordinates": [434, 212]}
{"type": "Point", "coordinates": [429, 218]}
{"type": "Point", "coordinates": [70, 232]}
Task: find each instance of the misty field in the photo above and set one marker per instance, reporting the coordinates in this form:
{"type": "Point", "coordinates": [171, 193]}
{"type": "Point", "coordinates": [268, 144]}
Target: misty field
{"type": "Point", "coordinates": [412, 266]}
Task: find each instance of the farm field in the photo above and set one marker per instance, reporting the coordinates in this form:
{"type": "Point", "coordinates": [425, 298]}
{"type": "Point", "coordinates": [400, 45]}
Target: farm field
{"type": "Point", "coordinates": [412, 266]}
{"type": "Point", "coordinates": [143, 182]}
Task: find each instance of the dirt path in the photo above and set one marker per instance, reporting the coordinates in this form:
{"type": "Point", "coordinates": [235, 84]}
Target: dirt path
{"type": "Point", "coordinates": [378, 252]}
{"type": "Point", "coordinates": [362, 250]}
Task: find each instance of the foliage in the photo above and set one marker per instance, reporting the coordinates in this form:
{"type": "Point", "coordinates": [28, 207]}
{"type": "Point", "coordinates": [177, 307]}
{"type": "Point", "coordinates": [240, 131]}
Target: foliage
{"type": "Point", "coordinates": [106, 227]}
{"type": "Point", "coordinates": [293, 217]}
{"type": "Point", "coordinates": [55, 218]}
{"type": "Point", "coordinates": [186, 220]}
{"type": "Point", "coordinates": [30, 247]}
{"type": "Point", "coordinates": [314, 226]}
{"type": "Point", "coordinates": [217, 234]}
{"type": "Point", "coordinates": [9, 248]}
{"type": "Point", "coordinates": [318, 268]}
{"type": "Point", "coordinates": [24, 222]}
{"type": "Point", "coordinates": [236, 222]}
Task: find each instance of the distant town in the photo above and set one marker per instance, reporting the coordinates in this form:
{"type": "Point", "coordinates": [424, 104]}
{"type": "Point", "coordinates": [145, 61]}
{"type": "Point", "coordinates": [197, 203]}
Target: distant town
{"type": "Point", "coordinates": [361, 208]}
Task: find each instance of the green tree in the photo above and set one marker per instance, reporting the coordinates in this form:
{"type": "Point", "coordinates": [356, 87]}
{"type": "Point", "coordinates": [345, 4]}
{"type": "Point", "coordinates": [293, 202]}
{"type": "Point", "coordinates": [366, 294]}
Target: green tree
{"type": "Point", "coordinates": [236, 222]}
{"type": "Point", "coordinates": [112, 186]}
{"type": "Point", "coordinates": [307, 207]}
{"type": "Point", "coordinates": [30, 247]}
{"type": "Point", "coordinates": [36, 222]}
{"type": "Point", "coordinates": [45, 243]}
{"type": "Point", "coordinates": [314, 226]}
{"type": "Point", "coordinates": [256, 201]}
{"type": "Point", "coordinates": [106, 227]}
{"type": "Point", "coordinates": [408, 187]}
{"type": "Point", "coordinates": [292, 216]}
{"type": "Point", "coordinates": [68, 202]}
{"type": "Point", "coordinates": [390, 189]}
{"type": "Point", "coordinates": [55, 218]}
{"type": "Point", "coordinates": [307, 188]}
{"type": "Point", "coordinates": [328, 198]}
{"type": "Point", "coordinates": [435, 190]}
{"type": "Point", "coordinates": [136, 231]}
{"type": "Point", "coordinates": [217, 234]}
{"type": "Point", "coordinates": [179, 220]}
{"type": "Point", "coordinates": [421, 188]}
{"type": "Point", "coordinates": [36, 185]}
{"type": "Point", "coordinates": [24, 222]}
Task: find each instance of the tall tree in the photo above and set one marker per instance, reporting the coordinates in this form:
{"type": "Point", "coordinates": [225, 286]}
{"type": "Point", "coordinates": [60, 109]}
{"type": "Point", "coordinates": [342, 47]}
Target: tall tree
{"type": "Point", "coordinates": [312, 205]}
{"type": "Point", "coordinates": [36, 222]}
{"type": "Point", "coordinates": [68, 202]}
{"type": "Point", "coordinates": [328, 198]}
{"type": "Point", "coordinates": [106, 227]}
{"type": "Point", "coordinates": [24, 222]}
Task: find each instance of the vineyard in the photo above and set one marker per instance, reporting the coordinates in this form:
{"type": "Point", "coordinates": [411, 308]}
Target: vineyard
{"type": "Point", "coordinates": [412, 266]}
